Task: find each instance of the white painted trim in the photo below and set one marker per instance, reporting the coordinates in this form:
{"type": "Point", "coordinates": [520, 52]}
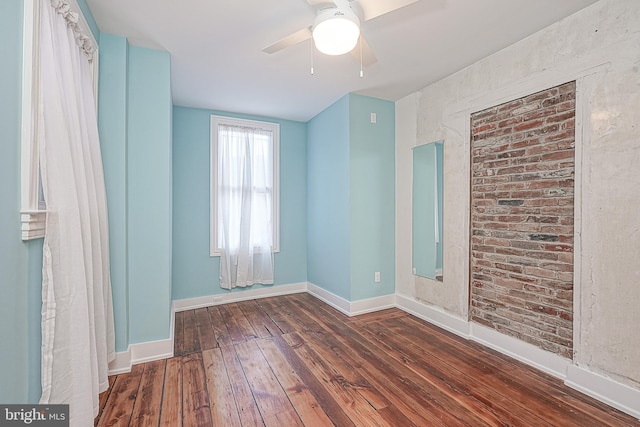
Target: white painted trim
{"type": "Point", "coordinates": [33, 224]}
{"type": "Point", "coordinates": [140, 353]}
{"type": "Point", "coordinates": [29, 148]}
{"type": "Point", "coordinates": [151, 350]}
{"type": "Point", "coordinates": [434, 315]}
{"type": "Point", "coordinates": [122, 363]}
{"type": "Point", "coordinates": [263, 292]}
{"type": "Point", "coordinates": [215, 122]}
{"type": "Point", "coordinates": [546, 361]}
{"type": "Point", "coordinates": [370, 305]}
{"type": "Point", "coordinates": [335, 301]}
{"type": "Point", "coordinates": [607, 390]}
{"type": "Point", "coordinates": [352, 308]}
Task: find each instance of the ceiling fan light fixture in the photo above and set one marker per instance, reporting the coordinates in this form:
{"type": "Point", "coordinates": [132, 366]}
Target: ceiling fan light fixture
{"type": "Point", "coordinates": [336, 31]}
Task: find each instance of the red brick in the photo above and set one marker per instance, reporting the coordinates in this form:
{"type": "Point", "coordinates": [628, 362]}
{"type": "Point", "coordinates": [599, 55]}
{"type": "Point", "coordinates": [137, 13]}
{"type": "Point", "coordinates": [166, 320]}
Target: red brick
{"type": "Point", "coordinates": [522, 166]}
{"type": "Point", "coordinates": [529, 125]}
{"type": "Point", "coordinates": [484, 128]}
{"type": "Point", "coordinates": [509, 106]}
{"type": "Point", "coordinates": [567, 134]}
{"type": "Point", "coordinates": [509, 122]}
{"type": "Point", "coordinates": [544, 94]}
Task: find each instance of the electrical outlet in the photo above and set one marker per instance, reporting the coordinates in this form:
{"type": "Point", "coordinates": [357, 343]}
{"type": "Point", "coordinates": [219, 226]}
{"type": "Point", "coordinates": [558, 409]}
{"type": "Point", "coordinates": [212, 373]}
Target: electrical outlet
{"type": "Point", "coordinates": [377, 277]}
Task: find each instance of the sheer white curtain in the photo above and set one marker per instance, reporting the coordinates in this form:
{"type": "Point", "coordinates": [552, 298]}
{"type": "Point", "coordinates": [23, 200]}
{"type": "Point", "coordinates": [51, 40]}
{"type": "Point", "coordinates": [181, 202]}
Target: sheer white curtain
{"type": "Point", "coordinates": [77, 311]}
{"type": "Point", "coordinates": [245, 197]}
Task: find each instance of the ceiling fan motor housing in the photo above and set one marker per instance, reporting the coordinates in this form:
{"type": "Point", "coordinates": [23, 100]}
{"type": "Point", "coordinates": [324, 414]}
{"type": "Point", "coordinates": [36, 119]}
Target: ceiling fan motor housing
{"type": "Point", "coordinates": [336, 31]}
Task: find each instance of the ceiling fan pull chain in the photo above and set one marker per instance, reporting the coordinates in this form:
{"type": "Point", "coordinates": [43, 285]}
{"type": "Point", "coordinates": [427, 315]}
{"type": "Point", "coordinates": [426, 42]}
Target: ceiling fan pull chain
{"type": "Point", "coordinates": [311, 46]}
{"type": "Point", "coordinates": [361, 71]}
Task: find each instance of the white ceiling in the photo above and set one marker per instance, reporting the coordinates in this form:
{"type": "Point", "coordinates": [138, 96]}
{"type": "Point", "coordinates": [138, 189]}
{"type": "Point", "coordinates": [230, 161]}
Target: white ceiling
{"type": "Point", "coordinates": [217, 60]}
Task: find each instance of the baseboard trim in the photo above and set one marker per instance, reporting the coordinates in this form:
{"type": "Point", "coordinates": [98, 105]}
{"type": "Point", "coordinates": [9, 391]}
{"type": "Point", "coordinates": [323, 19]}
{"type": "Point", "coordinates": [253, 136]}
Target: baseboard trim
{"type": "Point", "coordinates": [122, 363]}
{"type": "Point", "coordinates": [527, 353]}
{"type": "Point", "coordinates": [249, 294]}
{"type": "Point", "coordinates": [140, 353]}
{"type": "Point", "coordinates": [335, 301]}
{"type": "Point", "coordinates": [370, 305]}
{"type": "Point", "coordinates": [434, 315]}
{"type": "Point", "coordinates": [607, 390]}
{"type": "Point", "coordinates": [352, 308]}
{"type": "Point", "coordinates": [151, 350]}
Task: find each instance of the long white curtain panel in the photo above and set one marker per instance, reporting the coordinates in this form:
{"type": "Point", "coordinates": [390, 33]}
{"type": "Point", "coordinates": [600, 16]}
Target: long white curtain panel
{"type": "Point", "coordinates": [77, 312]}
{"type": "Point", "coordinates": [245, 197]}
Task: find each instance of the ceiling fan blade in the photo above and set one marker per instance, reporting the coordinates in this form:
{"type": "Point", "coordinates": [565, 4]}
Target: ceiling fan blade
{"type": "Point", "coordinates": [373, 8]}
{"type": "Point", "coordinates": [290, 40]}
{"type": "Point", "coordinates": [368, 57]}
{"type": "Point", "coordinates": [321, 4]}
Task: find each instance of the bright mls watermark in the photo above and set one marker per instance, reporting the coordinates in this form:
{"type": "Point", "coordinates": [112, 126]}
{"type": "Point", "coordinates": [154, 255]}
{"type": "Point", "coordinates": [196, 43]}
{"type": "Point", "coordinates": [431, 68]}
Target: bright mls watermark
{"type": "Point", "coordinates": [35, 415]}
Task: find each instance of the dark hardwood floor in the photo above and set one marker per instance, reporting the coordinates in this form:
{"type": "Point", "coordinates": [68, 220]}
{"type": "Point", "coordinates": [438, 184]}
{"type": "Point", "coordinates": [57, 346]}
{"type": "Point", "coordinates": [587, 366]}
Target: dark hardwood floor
{"type": "Point", "coordinates": [293, 361]}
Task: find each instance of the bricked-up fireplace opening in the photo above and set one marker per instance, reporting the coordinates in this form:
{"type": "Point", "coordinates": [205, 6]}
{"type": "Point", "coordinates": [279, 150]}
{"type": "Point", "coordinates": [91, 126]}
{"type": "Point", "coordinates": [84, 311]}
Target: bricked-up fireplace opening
{"type": "Point", "coordinates": [522, 164]}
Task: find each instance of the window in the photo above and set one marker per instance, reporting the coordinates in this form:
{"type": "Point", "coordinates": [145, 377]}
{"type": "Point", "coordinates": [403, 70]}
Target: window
{"type": "Point", "coordinates": [33, 205]}
{"type": "Point", "coordinates": [231, 140]}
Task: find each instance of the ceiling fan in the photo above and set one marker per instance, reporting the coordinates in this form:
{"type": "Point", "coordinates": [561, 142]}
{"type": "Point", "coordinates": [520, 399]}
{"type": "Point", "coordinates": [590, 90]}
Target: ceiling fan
{"type": "Point", "coordinates": [336, 28]}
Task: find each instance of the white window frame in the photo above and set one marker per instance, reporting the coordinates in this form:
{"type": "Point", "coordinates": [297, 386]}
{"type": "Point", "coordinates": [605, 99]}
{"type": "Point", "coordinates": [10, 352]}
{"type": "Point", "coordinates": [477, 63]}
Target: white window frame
{"type": "Point", "coordinates": [32, 207]}
{"type": "Point", "coordinates": [216, 121]}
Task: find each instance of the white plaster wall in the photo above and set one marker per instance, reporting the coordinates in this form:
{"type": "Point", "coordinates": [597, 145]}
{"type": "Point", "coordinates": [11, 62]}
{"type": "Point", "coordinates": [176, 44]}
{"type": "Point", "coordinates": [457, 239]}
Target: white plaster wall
{"type": "Point", "coordinates": [600, 48]}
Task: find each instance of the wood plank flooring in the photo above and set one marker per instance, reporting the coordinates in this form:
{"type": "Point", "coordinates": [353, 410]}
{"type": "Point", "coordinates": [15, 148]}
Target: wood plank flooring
{"type": "Point", "coordinates": [295, 361]}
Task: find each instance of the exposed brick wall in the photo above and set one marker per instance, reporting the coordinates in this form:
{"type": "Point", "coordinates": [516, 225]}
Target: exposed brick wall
{"type": "Point", "coordinates": [522, 166]}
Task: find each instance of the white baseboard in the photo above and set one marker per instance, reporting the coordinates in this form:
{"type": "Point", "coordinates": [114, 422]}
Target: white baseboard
{"type": "Point", "coordinates": [122, 363]}
{"type": "Point", "coordinates": [335, 301]}
{"type": "Point", "coordinates": [434, 315]}
{"type": "Point", "coordinates": [140, 353]}
{"type": "Point", "coordinates": [611, 392]}
{"type": "Point", "coordinates": [352, 308]}
{"type": "Point", "coordinates": [249, 294]}
{"type": "Point", "coordinates": [527, 353]}
{"type": "Point", "coordinates": [372, 304]}
{"type": "Point", "coordinates": [151, 350]}
{"type": "Point", "coordinates": [144, 352]}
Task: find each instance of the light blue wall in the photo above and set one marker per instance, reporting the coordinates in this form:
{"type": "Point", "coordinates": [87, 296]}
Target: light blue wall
{"type": "Point", "coordinates": [89, 18]}
{"type": "Point", "coordinates": [14, 316]}
{"type": "Point", "coordinates": [351, 198]}
{"type": "Point", "coordinates": [112, 123]}
{"type": "Point", "coordinates": [34, 304]}
{"type": "Point", "coordinates": [372, 196]}
{"type": "Point", "coordinates": [328, 244]}
{"type": "Point", "coordinates": [195, 273]}
{"type": "Point", "coordinates": [149, 198]}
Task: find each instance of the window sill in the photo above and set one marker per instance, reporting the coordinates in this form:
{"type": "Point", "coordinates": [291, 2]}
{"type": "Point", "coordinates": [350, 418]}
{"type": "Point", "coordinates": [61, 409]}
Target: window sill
{"type": "Point", "coordinates": [33, 224]}
{"type": "Point", "coordinates": [218, 254]}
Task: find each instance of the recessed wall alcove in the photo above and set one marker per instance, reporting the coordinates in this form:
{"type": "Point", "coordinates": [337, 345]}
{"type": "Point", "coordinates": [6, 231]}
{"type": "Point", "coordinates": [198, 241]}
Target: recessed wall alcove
{"type": "Point", "coordinates": [522, 218]}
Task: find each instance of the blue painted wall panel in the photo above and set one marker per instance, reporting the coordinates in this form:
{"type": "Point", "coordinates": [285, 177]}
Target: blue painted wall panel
{"type": "Point", "coordinates": [112, 124]}
{"type": "Point", "coordinates": [372, 196]}
{"type": "Point", "coordinates": [149, 204]}
{"type": "Point", "coordinates": [14, 316]}
{"type": "Point", "coordinates": [328, 195]}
